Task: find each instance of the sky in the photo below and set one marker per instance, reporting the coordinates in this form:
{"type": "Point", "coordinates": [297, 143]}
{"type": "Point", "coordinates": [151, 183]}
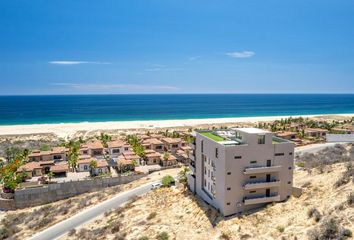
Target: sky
{"type": "Point", "coordinates": [176, 46]}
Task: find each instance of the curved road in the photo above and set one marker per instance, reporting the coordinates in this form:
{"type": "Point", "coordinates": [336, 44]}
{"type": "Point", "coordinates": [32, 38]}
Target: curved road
{"type": "Point", "coordinates": [65, 226]}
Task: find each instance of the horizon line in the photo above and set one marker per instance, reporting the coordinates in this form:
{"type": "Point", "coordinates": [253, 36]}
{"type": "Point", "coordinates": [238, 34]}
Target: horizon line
{"type": "Point", "coordinates": [191, 93]}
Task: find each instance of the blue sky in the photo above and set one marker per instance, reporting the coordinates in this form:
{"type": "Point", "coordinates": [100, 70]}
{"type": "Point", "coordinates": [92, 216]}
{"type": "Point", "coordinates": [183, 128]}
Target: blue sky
{"type": "Point", "coordinates": [176, 46]}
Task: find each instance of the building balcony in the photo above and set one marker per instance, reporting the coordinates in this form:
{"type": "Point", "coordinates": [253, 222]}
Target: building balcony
{"type": "Point", "coordinates": [261, 199]}
{"type": "Point", "coordinates": [254, 170]}
{"type": "Point", "coordinates": [258, 185]}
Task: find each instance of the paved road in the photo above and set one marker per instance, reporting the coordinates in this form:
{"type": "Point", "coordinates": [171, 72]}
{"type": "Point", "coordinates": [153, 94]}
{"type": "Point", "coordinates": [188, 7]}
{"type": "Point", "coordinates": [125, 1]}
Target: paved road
{"type": "Point", "coordinates": [314, 148]}
{"type": "Point", "coordinates": [65, 226]}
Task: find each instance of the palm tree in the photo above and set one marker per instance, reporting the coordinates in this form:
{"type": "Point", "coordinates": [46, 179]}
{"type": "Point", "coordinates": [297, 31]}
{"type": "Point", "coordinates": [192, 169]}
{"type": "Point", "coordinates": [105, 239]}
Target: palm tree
{"type": "Point", "coordinates": [73, 154]}
{"type": "Point", "coordinates": [182, 176]}
{"type": "Point", "coordinates": [50, 175]}
{"type": "Point", "coordinates": [93, 165]}
{"type": "Point", "coordinates": [105, 138]}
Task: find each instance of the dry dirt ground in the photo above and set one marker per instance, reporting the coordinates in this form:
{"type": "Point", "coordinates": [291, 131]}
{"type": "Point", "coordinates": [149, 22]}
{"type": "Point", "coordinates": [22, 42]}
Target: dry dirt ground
{"type": "Point", "coordinates": [23, 223]}
{"type": "Point", "coordinates": [182, 216]}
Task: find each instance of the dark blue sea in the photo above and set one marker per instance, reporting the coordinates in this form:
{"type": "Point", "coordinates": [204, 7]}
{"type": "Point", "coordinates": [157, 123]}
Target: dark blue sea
{"type": "Point", "coordinates": [98, 108]}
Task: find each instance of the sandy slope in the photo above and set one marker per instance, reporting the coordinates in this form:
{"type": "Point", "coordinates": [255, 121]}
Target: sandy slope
{"type": "Point", "coordinates": [183, 216]}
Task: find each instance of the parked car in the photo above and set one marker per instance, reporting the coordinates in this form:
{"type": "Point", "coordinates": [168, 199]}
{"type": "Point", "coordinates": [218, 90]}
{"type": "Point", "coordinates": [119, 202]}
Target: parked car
{"type": "Point", "coordinates": [155, 186]}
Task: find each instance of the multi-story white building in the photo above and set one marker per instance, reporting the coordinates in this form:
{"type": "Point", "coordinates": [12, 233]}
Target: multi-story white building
{"type": "Point", "coordinates": [239, 169]}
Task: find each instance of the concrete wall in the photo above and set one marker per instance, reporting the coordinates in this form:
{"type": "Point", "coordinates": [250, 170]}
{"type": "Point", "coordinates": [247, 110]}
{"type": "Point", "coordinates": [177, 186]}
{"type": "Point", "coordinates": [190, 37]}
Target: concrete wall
{"type": "Point", "coordinates": [340, 137]}
{"type": "Point", "coordinates": [54, 192]}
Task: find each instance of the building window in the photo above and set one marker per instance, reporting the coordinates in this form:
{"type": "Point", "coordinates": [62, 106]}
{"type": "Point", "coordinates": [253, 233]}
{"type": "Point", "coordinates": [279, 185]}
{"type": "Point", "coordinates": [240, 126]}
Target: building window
{"type": "Point", "coordinates": [204, 183]}
{"type": "Point", "coordinates": [253, 162]}
{"type": "Point", "coordinates": [202, 145]}
{"type": "Point", "coordinates": [216, 152]}
{"type": "Point", "coordinates": [261, 139]}
{"type": "Point", "coordinates": [253, 176]}
{"type": "Point", "coordinates": [228, 203]}
{"type": "Point", "coordinates": [237, 157]}
{"type": "Point", "coordinates": [252, 191]}
{"type": "Point", "coordinates": [126, 149]}
{"type": "Point", "coordinates": [208, 185]}
{"type": "Point", "coordinates": [174, 145]}
{"type": "Point", "coordinates": [290, 168]}
{"type": "Point", "coordinates": [85, 167]}
{"type": "Point", "coordinates": [228, 173]}
{"type": "Point", "coordinates": [279, 154]}
{"type": "Point", "coordinates": [290, 153]}
{"type": "Point", "coordinates": [289, 182]}
{"type": "Point", "coordinates": [204, 170]}
{"type": "Point", "coordinates": [228, 188]}
{"type": "Point", "coordinates": [208, 173]}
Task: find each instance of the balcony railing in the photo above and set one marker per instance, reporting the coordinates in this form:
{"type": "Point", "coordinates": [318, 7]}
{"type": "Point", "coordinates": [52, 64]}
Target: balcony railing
{"type": "Point", "coordinates": [262, 184]}
{"type": "Point", "coordinates": [192, 145]}
{"type": "Point", "coordinates": [261, 169]}
{"type": "Point", "coordinates": [261, 199]}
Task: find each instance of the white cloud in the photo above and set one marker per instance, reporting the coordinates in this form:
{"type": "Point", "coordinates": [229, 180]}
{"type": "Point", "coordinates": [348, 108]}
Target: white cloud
{"type": "Point", "coordinates": [243, 54]}
{"type": "Point", "coordinates": [115, 87]}
{"type": "Point", "coordinates": [76, 62]}
{"type": "Point", "coordinates": [193, 58]}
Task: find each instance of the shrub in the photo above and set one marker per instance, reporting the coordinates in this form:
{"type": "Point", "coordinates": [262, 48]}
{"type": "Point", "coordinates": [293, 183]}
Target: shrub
{"type": "Point", "coordinates": [280, 229]}
{"type": "Point", "coordinates": [151, 215]}
{"type": "Point", "coordinates": [329, 229]}
{"type": "Point", "coordinates": [300, 164]}
{"type": "Point", "coordinates": [167, 181]}
{"type": "Point", "coordinates": [72, 232]}
{"type": "Point", "coordinates": [4, 233]}
{"type": "Point", "coordinates": [313, 212]}
{"type": "Point", "coordinates": [144, 238]}
{"type": "Point", "coordinates": [162, 236]}
{"type": "Point", "coordinates": [225, 236]}
{"type": "Point", "coordinates": [350, 199]}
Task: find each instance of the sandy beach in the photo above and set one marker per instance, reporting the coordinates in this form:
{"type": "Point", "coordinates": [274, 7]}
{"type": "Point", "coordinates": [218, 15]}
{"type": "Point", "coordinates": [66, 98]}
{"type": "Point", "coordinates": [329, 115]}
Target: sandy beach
{"type": "Point", "coordinates": [65, 130]}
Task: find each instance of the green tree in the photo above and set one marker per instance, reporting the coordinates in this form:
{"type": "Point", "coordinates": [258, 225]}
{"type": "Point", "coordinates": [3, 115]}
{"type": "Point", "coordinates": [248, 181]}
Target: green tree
{"type": "Point", "coordinates": [104, 138]}
{"type": "Point", "coordinates": [182, 176]}
{"type": "Point", "coordinates": [167, 181]}
{"type": "Point", "coordinates": [166, 156]}
{"type": "Point", "coordinates": [44, 147]}
{"type": "Point", "coordinates": [93, 166]}
{"type": "Point", "coordinates": [73, 154]}
{"type": "Point", "coordinates": [50, 175]}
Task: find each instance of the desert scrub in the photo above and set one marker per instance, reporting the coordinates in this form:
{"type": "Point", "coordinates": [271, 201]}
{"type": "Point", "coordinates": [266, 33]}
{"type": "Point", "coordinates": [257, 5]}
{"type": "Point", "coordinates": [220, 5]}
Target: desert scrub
{"type": "Point", "coordinates": [329, 229]}
{"type": "Point", "coordinates": [144, 238]}
{"type": "Point", "coordinates": [151, 216]}
{"type": "Point", "coordinates": [350, 199]}
{"type": "Point", "coordinates": [162, 236]}
{"type": "Point", "coordinates": [280, 229]}
{"type": "Point", "coordinates": [225, 236]}
{"type": "Point", "coordinates": [313, 212]}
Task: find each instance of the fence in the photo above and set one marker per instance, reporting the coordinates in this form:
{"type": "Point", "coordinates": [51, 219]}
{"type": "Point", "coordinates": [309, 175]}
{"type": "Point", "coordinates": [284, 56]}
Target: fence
{"type": "Point", "coordinates": [53, 192]}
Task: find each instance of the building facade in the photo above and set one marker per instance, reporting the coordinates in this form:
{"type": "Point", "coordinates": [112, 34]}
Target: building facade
{"type": "Point", "coordinates": [240, 169]}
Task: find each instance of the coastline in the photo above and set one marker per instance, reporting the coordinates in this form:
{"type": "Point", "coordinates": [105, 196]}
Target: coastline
{"type": "Point", "coordinates": [65, 130]}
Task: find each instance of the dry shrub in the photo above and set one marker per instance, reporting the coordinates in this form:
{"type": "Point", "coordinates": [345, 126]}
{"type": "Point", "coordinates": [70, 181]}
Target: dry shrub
{"type": "Point", "coordinates": [329, 229]}
{"type": "Point", "coordinates": [313, 212]}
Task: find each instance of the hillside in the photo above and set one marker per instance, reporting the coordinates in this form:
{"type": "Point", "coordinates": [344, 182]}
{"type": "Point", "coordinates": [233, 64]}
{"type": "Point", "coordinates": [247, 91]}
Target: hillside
{"type": "Point", "coordinates": [183, 216]}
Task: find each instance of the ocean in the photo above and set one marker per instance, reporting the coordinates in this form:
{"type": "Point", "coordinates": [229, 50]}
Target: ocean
{"type": "Point", "coordinates": [99, 108]}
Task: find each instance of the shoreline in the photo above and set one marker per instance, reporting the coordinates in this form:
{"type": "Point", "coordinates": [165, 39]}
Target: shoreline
{"type": "Point", "coordinates": [65, 130]}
